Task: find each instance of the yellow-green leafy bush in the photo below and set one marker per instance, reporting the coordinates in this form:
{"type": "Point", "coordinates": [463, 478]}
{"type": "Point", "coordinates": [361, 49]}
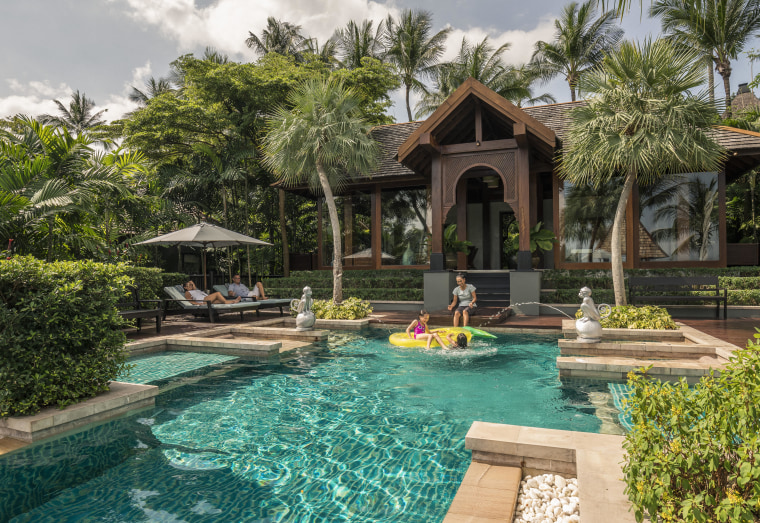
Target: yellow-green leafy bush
{"type": "Point", "coordinates": [60, 337]}
{"type": "Point", "coordinates": [350, 309]}
{"type": "Point", "coordinates": [693, 453]}
{"type": "Point", "coordinates": [631, 317]}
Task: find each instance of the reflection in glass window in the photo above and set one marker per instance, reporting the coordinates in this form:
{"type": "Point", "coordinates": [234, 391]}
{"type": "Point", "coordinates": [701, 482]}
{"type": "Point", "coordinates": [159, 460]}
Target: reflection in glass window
{"type": "Point", "coordinates": [406, 226]}
{"type": "Point", "coordinates": [586, 214]}
{"type": "Point", "coordinates": [354, 210]}
{"type": "Point", "coordinates": [679, 219]}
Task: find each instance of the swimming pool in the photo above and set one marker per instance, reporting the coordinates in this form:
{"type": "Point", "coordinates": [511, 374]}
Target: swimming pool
{"type": "Point", "coordinates": [362, 431]}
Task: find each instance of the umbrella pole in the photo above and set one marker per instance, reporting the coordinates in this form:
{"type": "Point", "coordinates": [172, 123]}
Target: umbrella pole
{"type": "Point", "coordinates": [248, 258]}
{"type": "Point", "coordinates": [205, 281]}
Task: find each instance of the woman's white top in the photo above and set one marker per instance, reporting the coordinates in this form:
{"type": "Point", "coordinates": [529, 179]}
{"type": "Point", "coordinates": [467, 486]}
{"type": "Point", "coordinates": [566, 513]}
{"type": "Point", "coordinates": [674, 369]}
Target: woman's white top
{"type": "Point", "coordinates": [197, 294]}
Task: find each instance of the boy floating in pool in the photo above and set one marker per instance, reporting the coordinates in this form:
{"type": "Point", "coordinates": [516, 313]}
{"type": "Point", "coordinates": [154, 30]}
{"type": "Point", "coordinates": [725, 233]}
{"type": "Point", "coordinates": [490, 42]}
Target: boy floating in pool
{"type": "Point", "coordinates": [458, 342]}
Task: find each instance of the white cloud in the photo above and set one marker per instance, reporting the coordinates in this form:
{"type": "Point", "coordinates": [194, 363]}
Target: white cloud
{"type": "Point", "coordinates": [33, 98]}
{"type": "Point", "coordinates": [225, 23]}
{"type": "Point", "coordinates": [521, 42]}
{"type": "Point", "coordinates": [36, 97]}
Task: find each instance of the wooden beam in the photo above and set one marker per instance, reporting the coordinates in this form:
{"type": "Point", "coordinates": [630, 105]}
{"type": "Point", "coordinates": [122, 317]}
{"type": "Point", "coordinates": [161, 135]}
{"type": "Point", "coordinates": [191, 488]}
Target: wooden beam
{"type": "Point", "coordinates": [722, 240]}
{"type": "Point", "coordinates": [521, 134]}
{"type": "Point", "coordinates": [492, 145]}
{"type": "Point", "coordinates": [478, 122]}
{"type": "Point", "coordinates": [428, 142]}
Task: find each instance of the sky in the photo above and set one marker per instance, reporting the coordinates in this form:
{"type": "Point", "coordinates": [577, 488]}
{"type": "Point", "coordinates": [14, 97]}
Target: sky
{"type": "Point", "coordinates": [104, 47]}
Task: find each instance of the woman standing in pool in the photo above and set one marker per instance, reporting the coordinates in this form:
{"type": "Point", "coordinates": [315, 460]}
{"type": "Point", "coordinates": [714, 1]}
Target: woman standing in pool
{"type": "Point", "coordinates": [464, 294]}
{"type": "Point", "coordinates": [418, 330]}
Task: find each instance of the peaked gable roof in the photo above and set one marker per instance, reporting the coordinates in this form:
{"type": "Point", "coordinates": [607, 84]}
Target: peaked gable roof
{"type": "Point", "coordinates": [455, 111]}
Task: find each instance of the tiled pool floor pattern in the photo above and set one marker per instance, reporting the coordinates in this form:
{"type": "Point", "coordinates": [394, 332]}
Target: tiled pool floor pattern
{"type": "Point", "coordinates": [362, 432]}
{"type": "Point", "coordinates": [157, 367]}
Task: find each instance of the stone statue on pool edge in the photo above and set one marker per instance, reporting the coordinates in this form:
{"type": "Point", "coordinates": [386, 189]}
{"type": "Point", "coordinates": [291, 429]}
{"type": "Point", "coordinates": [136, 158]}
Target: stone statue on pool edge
{"type": "Point", "coordinates": [305, 319]}
{"type": "Point", "coordinates": [588, 327]}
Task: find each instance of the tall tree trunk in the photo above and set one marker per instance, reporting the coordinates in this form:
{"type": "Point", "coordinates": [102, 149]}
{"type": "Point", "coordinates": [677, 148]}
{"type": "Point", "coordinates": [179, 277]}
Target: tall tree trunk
{"type": "Point", "coordinates": [727, 88]}
{"type": "Point", "coordinates": [335, 224]}
{"type": "Point", "coordinates": [572, 91]}
{"type": "Point", "coordinates": [408, 107]}
{"type": "Point", "coordinates": [284, 235]}
{"type": "Point", "coordinates": [711, 79]}
{"type": "Point", "coordinates": [616, 258]}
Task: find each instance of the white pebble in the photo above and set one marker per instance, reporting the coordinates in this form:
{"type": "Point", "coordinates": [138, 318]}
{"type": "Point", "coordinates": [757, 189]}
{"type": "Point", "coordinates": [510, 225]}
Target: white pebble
{"type": "Point", "coordinates": [548, 498]}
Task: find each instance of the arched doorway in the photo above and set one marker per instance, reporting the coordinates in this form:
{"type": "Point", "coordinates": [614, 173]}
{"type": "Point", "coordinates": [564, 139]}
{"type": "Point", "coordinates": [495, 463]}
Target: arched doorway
{"type": "Point", "coordinates": [481, 215]}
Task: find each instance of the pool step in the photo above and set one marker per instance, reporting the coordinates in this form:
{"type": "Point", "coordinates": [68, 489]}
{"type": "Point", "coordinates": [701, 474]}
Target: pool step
{"type": "Point", "coordinates": [635, 349]}
{"type": "Point", "coordinates": [617, 368]}
{"type": "Point", "coordinates": [488, 493]}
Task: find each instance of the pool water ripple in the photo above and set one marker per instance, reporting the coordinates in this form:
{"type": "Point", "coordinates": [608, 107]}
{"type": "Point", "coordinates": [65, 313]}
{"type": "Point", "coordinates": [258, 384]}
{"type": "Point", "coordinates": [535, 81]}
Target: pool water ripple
{"type": "Point", "coordinates": [363, 432]}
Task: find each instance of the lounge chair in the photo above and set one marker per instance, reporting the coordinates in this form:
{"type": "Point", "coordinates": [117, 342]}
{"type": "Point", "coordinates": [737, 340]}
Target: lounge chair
{"type": "Point", "coordinates": [271, 303]}
{"type": "Point", "coordinates": [136, 309]}
{"type": "Point", "coordinates": [177, 295]}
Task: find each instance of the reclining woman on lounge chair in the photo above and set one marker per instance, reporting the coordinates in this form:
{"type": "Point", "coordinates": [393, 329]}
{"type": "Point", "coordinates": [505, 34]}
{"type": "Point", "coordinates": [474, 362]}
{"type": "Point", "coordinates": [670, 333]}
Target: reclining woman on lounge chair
{"type": "Point", "coordinates": [198, 297]}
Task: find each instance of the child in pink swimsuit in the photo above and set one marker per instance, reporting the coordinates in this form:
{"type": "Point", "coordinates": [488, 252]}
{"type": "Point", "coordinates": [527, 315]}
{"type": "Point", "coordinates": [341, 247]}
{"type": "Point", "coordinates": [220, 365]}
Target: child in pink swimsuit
{"type": "Point", "coordinates": [421, 331]}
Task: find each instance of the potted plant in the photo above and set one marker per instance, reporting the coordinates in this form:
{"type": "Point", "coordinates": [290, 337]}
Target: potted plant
{"type": "Point", "coordinates": [451, 246]}
{"type": "Point", "coordinates": [541, 240]}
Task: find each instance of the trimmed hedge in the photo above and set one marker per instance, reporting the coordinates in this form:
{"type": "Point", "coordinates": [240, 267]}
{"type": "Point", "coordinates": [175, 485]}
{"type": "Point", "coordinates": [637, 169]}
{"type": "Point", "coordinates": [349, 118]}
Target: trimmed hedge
{"type": "Point", "coordinates": [562, 285]}
{"type": "Point", "coordinates": [632, 317]}
{"type": "Point", "coordinates": [325, 293]}
{"type": "Point", "coordinates": [60, 337]}
{"type": "Point", "coordinates": [392, 284]}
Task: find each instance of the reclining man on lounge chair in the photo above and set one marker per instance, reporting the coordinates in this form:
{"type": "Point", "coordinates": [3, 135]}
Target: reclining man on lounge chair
{"type": "Point", "coordinates": [198, 297]}
{"type": "Point", "coordinates": [238, 289]}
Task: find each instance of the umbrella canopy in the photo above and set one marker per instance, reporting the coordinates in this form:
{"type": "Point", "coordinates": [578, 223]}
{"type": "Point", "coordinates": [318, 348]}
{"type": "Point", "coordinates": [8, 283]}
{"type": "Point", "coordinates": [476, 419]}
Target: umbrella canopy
{"type": "Point", "coordinates": [367, 253]}
{"type": "Point", "coordinates": [204, 235]}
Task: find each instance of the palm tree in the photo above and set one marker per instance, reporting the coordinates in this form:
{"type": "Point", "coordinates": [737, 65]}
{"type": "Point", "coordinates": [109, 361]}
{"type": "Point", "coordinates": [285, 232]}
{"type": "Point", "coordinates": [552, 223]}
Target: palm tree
{"type": "Point", "coordinates": [580, 43]}
{"type": "Point", "coordinates": [78, 117]}
{"type": "Point", "coordinates": [46, 174]}
{"type": "Point", "coordinates": [153, 88]}
{"type": "Point", "coordinates": [485, 64]}
{"type": "Point", "coordinates": [360, 41]}
{"type": "Point", "coordinates": [326, 53]}
{"type": "Point", "coordinates": [413, 50]}
{"type": "Point", "coordinates": [641, 123]}
{"type": "Point", "coordinates": [278, 37]}
{"type": "Point", "coordinates": [321, 141]}
{"type": "Point", "coordinates": [720, 28]}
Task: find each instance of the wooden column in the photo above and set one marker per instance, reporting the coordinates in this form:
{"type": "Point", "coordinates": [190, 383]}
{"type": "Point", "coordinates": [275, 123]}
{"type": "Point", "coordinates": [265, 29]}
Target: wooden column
{"type": "Point", "coordinates": [376, 232]}
{"type": "Point", "coordinates": [722, 239]}
{"type": "Point", "coordinates": [523, 197]}
{"type": "Point", "coordinates": [462, 221]}
{"type": "Point", "coordinates": [437, 259]}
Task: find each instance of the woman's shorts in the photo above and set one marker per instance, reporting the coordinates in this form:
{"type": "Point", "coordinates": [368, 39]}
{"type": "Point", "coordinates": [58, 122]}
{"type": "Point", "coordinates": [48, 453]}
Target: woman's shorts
{"type": "Point", "coordinates": [463, 308]}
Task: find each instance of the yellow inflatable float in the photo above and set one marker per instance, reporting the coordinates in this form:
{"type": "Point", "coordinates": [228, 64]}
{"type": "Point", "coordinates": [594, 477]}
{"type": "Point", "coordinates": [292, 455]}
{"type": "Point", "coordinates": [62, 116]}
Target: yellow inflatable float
{"type": "Point", "coordinates": [400, 339]}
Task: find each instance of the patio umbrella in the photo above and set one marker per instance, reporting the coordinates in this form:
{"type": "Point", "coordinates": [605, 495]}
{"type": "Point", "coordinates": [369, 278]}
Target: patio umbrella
{"type": "Point", "coordinates": [204, 235]}
{"type": "Point", "coordinates": [367, 253]}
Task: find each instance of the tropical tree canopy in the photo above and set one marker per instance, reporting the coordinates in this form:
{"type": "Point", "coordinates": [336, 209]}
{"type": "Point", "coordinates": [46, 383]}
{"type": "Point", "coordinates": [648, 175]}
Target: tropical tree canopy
{"type": "Point", "coordinates": [357, 41]}
{"type": "Point", "coordinates": [486, 65]}
{"type": "Point", "coordinates": [580, 42]}
{"type": "Point", "coordinates": [413, 49]}
{"type": "Point", "coordinates": [641, 123]}
{"type": "Point", "coordinates": [320, 139]}
{"type": "Point", "coordinates": [78, 116]}
{"type": "Point", "coordinates": [721, 28]}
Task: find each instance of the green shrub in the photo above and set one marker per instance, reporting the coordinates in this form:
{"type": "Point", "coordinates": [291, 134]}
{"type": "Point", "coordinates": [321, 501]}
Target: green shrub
{"type": "Point", "coordinates": [325, 293]}
{"type": "Point", "coordinates": [350, 309]}
{"type": "Point", "coordinates": [148, 279]}
{"type": "Point", "coordinates": [692, 454]}
{"type": "Point", "coordinates": [631, 317]}
{"type": "Point", "coordinates": [60, 337]}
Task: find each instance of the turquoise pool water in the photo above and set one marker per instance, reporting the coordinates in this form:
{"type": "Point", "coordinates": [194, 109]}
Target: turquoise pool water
{"type": "Point", "coordinates": [360, 432]}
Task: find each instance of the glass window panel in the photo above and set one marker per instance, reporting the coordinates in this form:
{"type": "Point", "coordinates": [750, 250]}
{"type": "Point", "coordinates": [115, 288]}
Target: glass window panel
{"type": "Point", "coordinates": [354, 210]}
{"type": "Point", "coordinates": [679, 218]}
{"type": "Point", "coordinates": [586, 214]}
{"type": "Point", "coordinates": [406, 218]}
